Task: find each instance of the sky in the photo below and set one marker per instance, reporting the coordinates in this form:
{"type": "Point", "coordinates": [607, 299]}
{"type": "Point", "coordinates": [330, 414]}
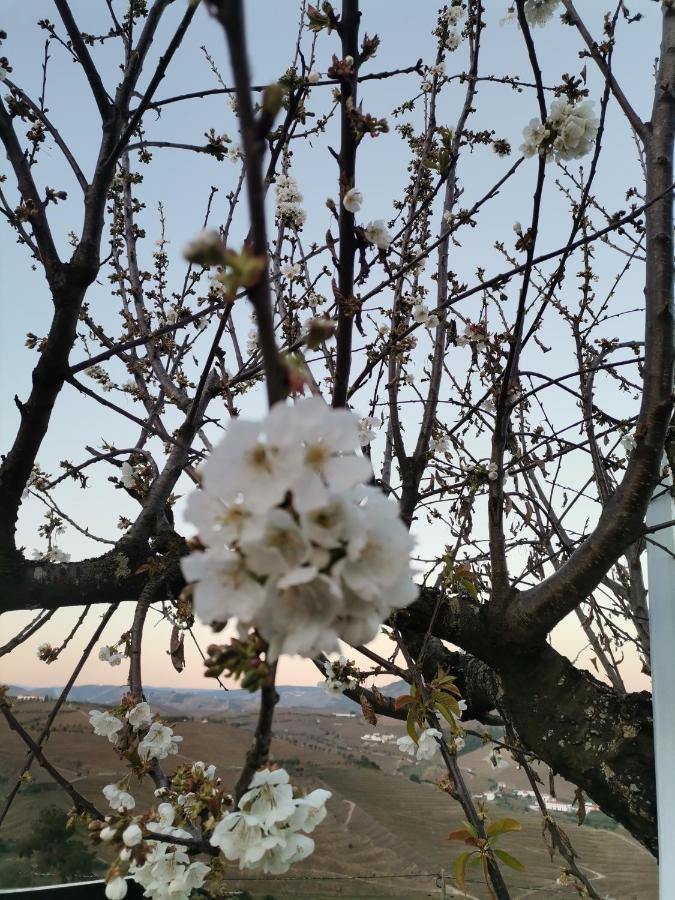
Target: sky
{"type": "Point", "coordinates": [181, 182]}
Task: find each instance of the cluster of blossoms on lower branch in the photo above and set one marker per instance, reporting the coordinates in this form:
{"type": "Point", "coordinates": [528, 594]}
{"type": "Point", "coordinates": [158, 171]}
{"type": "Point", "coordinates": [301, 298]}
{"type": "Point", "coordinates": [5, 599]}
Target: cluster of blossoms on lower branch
{"type": "Point", "coordinates": [299, 546]}
{"type": "Point", "coordinates": [267, 831]}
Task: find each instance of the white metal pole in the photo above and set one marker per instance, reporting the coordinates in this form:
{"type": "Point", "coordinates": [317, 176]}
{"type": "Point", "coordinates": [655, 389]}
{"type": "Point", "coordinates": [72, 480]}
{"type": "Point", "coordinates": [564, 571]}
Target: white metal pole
{"type": "Point", "coordinates": [661, 569]}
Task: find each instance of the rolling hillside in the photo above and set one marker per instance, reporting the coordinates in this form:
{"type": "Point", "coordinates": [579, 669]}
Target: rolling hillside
{"type": "Point", "coordinates": [381, 824]}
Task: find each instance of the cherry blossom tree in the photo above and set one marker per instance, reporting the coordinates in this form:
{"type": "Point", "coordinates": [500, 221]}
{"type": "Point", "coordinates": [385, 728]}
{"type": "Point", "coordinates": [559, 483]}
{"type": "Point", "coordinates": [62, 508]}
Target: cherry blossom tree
{"type": "Point", "coordinates": [373, 426]}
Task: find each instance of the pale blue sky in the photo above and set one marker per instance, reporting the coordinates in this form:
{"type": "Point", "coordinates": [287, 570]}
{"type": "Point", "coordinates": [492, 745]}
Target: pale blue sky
{"type": "Point", "coordinates": [181, 181]}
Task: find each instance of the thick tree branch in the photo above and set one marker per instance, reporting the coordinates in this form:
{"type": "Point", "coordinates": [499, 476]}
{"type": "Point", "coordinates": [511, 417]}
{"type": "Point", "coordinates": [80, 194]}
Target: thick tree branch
{"type": "Point", "coordinates": [101, 97]}
{"type": "Point", "coordinates": [535, 612]}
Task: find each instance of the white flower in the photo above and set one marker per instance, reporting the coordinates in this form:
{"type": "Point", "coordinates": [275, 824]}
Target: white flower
{"type": "Point", "coordinates": [423, 317]}
{"type": "Point", "coordinates": [289, 200]}
{"type": "Point", "coordinates": [159, 742]}
{"type": "Point", "coordinates": [439, 445]}
{"type": "Point", "coordinates": [352, 200]}
{"type": "Point", "coordinates": [263, 834]}
{"type": "Point", "coordinates": [629, 443]}
{"type": "Point", "coordinates": [110, 655]}
{"type": "Point", "coordinates": [533, 135]}
{"type": "Point", "coordinates": [116, 889]}
{"type": "Point", "coordinates": [539, 12]}
{"type": "Point", "coordinates": [406, 745]}
{"type": "Point", "coordinates": [189, 879]}
{"type": "Point", "coordinates": [314, 77]}
{"type": "Point", "coordinates": [105, 724]}
{"type": "Point", "coordinates": [575, 127]}
{"type": "Point", "coordinates": [140, 716]}
{"type": "Point", "coordinates": [336, 524]}
{"type": "Point", "coordinates": [329, 438]}
{"type": "Point", "coordinates": [201, 770]}
{"type": "Point", "coordinates": [375, 565]}
{"type": "Point", "coordinates": [221, 522]}
{"type": "Point", "coordinates": [453, 40]}
{"type": "Point", "coordinates": [335, 686]}
{"type": "Point", "coordinates": [438, 69]}
{"type": "Point", "coordinates": [107, 834]}
{"type": "Point", "coordinates": [127, 476]}
{"type": "Point", "coordinates": [300, 618]}
{"type": "Point", "coordinates": [376, 232]}
{"type": "Point", "coordinates": [568, 133]}
{"type": "Point", "coordinates": [492, 471]}
{"type": "Point", "coordinates": [332, 563]}
{"type": "Point", "coordinates": [117, 798]}
{"type": "Point", "coordinates": [242, 839]}
{"type": "Point", "coordinates": [279, 859]}
{"type": "Point", "coordinates": [427, 746]}
{"type": "Point", "coordinates": [225, 587]}
{"type": "Point", "coordinates": [132, 835]}
{"type": "Point", "coordinates": [366, 430]}
{"type": "Point", "coordinates": [292, 271]}
{"type": "Point", "coordinates": [269, 798]}
{"type": "Point", "coordinates": [247, 463]}
{"type": "Point", "coordinates": [234, 152]}
{"type": "Point", "coordinates": [349, 60]}
{"type": "Point", "coordinates": [473, 334]}
{"type": "Point", "coordinates": [454, 14]}
{"type": "Point", "coordinates": [167, 814]}
{"type": "Point", "coordinates": [409, 378]}
{"type": "Point", "coordinates": [167, 874]}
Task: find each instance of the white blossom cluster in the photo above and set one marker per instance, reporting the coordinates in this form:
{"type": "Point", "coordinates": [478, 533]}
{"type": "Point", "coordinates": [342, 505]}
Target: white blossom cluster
{"type": "Point", "coordinates": [423, 316]}
{"type": "Point", "coordinates": [166, 872]}
{"type": "Point", "coordinates": [426, 746]}
{"type": "Point", "coordinates": [55, 555]}
{"type": "Point", "coordinates": [268, 832]}
{"type": "Point", "coordinates": [110, 655]}
{"type": "Point", "coordinates": [454, 14]}
{"type": "Point", "coordinates": [539, 12]}
{"type": "Point", "coordinates": [128, 476]}
{"type": "Point", "coordinates": [377, 233]}
{"type": "Point", "coordinates": [336, 682]}
{"type": "Point", "coordinates": [158, 742]}
{"type": "Point", "coordinates": [472, 334]}
{"type": "Point", "coordinates": [298, 546]}
{"type": "Point", "coordinates": [289, 201]}
{"type": "Point", "coordinates": [368, 426]}
{"type": "Point", "coordinates": [352, 200]}
{"type": "Point", "coordinates": [568, 133]}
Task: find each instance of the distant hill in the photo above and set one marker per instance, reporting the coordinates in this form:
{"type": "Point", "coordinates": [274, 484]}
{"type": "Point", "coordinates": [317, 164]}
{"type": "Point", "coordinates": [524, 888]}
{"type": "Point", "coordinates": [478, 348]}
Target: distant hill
{"type": "Point", "coordinates": [199, 701]}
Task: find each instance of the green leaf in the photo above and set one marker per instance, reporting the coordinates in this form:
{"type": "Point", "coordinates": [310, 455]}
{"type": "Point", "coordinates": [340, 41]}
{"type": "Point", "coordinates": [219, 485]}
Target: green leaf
{"type": "Point", "coordinates": [501, 826]}
{"type": "Point", "coordinates": [509, 860]}
{"type": "Point", "coordinates": [410, 725]}
{"type": "Point", "coordinates": [451, 704]}
{"type": "Point", "coordinates": [447, 715]}
{"type": "Point", "coordinates": [460, 868]}
{"type": "Point", "coordinates": [469, 827]}
{"type": "Point", "coordinates": [404, 700]}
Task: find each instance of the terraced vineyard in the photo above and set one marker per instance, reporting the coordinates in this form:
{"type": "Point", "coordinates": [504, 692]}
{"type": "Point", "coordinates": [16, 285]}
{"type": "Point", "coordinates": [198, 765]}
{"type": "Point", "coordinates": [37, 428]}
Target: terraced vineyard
{"type": "Point", "coordinates": [380, 824]}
